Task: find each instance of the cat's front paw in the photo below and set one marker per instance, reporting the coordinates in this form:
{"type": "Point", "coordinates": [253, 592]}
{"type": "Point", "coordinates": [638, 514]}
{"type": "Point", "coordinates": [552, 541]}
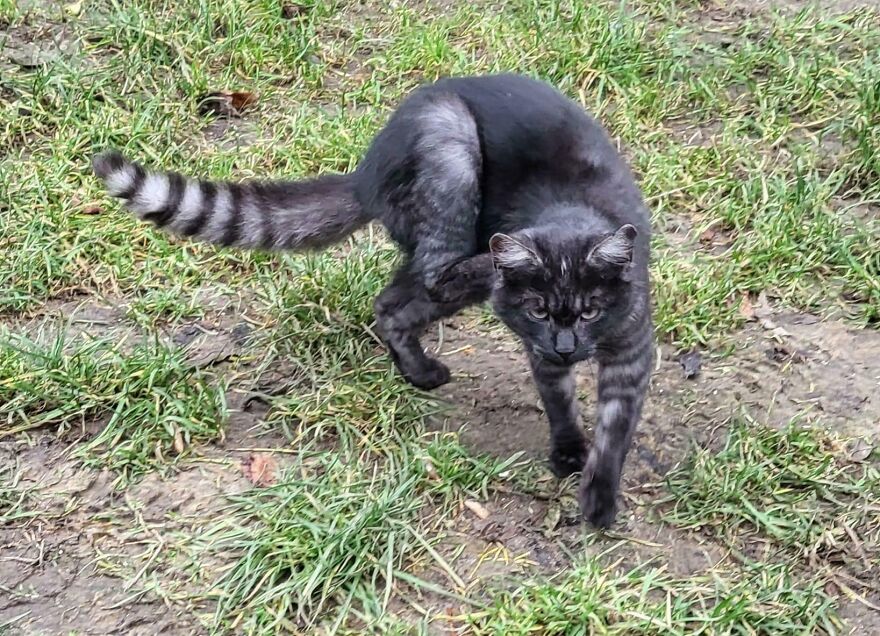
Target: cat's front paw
{"type": "Point", "coordinates": [567, 460]}
{"type": "Point", "coordinates": [428, 375]}
{"type": "Point", "coordinates": [598, 501]}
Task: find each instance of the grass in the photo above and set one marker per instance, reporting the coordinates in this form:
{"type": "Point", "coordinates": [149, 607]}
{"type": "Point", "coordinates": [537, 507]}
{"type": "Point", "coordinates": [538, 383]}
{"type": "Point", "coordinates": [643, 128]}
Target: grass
{"type": "Point", "coordinates": [150, 404]}
{"type": "Point", "coordinates": [758, 134]}
{"type": "Point", "coordinates": [794, 489]}
{"type": "Point", "coordinates": [15, 500]}
{"type": "Point", "coordinates": [595, 598]}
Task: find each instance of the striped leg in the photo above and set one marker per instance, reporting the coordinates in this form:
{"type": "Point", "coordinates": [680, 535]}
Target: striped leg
{"type": "Point", "coordinates": [622, 383]}
{"type": "Point", "coordinates": [405, 308]}
{"type": "Point", "coordinates": [556, 386]}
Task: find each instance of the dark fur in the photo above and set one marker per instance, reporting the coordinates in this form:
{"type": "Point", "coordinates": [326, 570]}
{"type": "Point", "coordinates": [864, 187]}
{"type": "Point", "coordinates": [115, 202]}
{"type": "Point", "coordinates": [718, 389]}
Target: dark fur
{"type": "Point", "coordinates": [494, 187]}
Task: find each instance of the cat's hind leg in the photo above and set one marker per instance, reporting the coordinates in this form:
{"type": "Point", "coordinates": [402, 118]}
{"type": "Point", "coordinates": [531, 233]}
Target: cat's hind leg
{"type": "Point", "coordinates": [431, 204]}
{"type": "Point", "coordinates": [434, 213]}
{"type": "Point", "coordinates": [405, 308]}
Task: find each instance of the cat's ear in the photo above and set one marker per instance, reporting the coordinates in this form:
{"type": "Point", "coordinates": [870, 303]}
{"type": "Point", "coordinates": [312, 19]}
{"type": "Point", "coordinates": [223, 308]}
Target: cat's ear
{"type": "Point", "coordinates": [615, 250]}
{"type": "Point", "coordinates": [511, 253]}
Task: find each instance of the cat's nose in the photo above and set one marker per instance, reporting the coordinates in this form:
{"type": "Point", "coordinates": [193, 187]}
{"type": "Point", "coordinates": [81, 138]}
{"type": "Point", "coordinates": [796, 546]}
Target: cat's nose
{"type": "Point", "coordinates": [565, 343]}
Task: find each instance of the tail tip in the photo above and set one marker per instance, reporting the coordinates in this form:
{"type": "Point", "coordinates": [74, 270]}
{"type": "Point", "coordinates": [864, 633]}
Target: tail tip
{"type": "Point", "coordinates": [107, 162]}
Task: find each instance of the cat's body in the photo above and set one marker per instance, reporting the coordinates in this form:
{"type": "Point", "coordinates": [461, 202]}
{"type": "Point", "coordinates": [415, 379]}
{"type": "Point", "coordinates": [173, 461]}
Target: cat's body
{"type": "Point", "coordinates": [494, 186]}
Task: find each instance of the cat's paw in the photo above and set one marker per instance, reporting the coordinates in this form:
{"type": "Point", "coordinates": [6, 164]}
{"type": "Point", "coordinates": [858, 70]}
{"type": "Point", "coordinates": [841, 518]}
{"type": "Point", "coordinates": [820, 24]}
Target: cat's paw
{"type": "Point", "coordinates": [567, 460]}
{"type": "Point", "coordinates": [429, 375]}
{"type": "Point", "coordinates": [598, 502]}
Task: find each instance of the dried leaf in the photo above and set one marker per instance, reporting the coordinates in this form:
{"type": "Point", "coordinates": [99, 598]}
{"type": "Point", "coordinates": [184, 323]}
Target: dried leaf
{"type": "Point", "coordinates": [290, 10]}
{"type": "Point", "coordinates": [859, 450]}
{"type": "Point", "coordinates": [746, 309]}
{"type": "Point", "coordinates": [260, 469]}
{"type": "Point", "coordinates": [431, 471]}
{"type": "Point", "coordinates": [73, 9]}
{"type": "Point", "coordinates": [553, 517]}
{"type": "Point", "coordinates": [243, 100]}
{"type": "Point", "coordinates": [225, 103]}
{"type": "Point", "coordinates": [179, 446]}
{"type": "Point", "coordinates": [477, 508]}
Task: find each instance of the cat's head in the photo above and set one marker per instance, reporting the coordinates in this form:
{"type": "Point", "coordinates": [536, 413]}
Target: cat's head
{"type": "Point", "coordinates": [561, 291]}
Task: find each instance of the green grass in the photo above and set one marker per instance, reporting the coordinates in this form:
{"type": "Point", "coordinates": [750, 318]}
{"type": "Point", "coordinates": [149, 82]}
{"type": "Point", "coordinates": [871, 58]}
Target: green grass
{"type": "Point", "coordinates": [594, 598]}
{"type": "Point", "coordinates": [149, 404]}
{"type": "Point", "coordinates": [16, 501]}
{"type": "Point", "coordinates": [764, 129]}
{"type": "Point", "coordinates": [794, 489]}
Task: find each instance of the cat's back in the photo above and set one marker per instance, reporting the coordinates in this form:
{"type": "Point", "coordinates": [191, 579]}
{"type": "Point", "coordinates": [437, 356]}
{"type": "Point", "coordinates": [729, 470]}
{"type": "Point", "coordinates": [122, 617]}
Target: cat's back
{"type": "Point", "coordinates": [528, 120]}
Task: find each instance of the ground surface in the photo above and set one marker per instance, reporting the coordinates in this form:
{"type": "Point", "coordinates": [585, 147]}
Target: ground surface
{"type": "Point", "coordinates": [205, 441]}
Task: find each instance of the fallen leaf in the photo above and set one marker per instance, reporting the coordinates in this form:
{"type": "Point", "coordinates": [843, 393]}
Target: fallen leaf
{"type": "Point", "coordinates": [240, 101]}
{"type": "Point", "coordinates": [431, 471]}
{"type": "Point", "coordinates": [690, 364]}
{"type": "Point", "coordinates": [73, 9]}
{"type": "Point", "coordinates": [226, 103]}
{"type": "Point", "coordinates": [553, 517]}
{"type": "Point", "coordinates": [859, 450]}
{"type": "Point", "coordinates": [290, 10]}
{"type": "Point", "coordinates": [179, 446]}
{"type": "Point", "coordinates": [260, 469]}
{"type": "Point", "coordinates": [746, 309]}
{"type": "Point", "coordinates": [707, 236]}
{"type": "Point", "coordinates": [477, 508]}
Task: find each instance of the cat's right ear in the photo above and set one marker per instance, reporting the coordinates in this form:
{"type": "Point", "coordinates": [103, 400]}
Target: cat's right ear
{"type": "Point", "coordinates": [511, 253]}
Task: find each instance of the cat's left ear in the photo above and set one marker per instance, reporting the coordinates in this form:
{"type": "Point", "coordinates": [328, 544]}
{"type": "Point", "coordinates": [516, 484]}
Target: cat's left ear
{"type": "Point", "coordinates": [510, 252]}
{"type": "Point", "coordinates": [615, 250]}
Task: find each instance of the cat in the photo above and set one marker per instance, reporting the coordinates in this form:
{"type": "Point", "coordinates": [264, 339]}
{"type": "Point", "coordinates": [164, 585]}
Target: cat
{"type": "Point", "coordinates": [494, 187]}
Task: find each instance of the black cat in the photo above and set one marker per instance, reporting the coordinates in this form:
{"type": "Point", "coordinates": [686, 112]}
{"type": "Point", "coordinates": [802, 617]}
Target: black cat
{"type": "Point", "coordinates": [494, 187]}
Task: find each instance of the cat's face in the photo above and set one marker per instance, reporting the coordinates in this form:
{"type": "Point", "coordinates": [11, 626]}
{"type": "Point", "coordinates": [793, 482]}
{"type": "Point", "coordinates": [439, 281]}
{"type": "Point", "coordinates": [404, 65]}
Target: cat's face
{"type": "Point", "coordinates": [559, 293]}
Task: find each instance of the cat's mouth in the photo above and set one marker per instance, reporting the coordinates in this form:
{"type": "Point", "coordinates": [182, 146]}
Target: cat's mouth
{"type": "Point", "coordinates": [562, 360]}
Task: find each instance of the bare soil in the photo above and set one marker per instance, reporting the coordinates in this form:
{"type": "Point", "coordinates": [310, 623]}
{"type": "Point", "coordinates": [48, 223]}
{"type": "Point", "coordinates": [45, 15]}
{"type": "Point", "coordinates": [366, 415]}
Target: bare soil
{"type": "Point", "coordinates": [64, 571]}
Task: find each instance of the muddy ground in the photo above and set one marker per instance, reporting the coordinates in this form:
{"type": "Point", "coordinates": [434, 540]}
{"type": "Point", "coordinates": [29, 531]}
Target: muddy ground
{"type": "Point", "coordinates": [61, 572]}
{"type": "Point", "coordinates": [89, 562]}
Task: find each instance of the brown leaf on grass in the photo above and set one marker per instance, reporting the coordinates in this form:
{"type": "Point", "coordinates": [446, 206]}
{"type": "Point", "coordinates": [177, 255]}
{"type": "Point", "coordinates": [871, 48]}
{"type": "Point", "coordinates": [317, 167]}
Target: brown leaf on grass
{"type": "Point", "coordinates": [260, 469]}
{"type": "Point", "coordinates": [179, 445]}
{"type": "Point", "coordinates": [707, 236]}
{"type": "Point", "coordinates": [746, 309]}
{"type": "Point", "coordinates": [290, 10]}
{"type": "Point", "coordinates": [859, 450]}
{"type": "Point", "coordinates": [226, 103]}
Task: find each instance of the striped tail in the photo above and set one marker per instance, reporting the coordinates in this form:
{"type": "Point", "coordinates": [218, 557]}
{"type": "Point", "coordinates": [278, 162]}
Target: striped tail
{"type": "Point", "coordinates": [292, 215]}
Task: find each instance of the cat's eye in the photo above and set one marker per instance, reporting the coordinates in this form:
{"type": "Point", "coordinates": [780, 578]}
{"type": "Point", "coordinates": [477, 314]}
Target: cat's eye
{"type": "Point", "coordinates": [590, 314]}
{"type": "Point", "coordinates": [538, 313]}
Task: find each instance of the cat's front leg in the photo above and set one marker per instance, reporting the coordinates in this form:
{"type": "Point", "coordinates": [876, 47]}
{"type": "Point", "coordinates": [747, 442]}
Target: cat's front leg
{"type": "Point", "coordinates": [622, 384]}
{"type": "Point", "coordinates": [556, 386]}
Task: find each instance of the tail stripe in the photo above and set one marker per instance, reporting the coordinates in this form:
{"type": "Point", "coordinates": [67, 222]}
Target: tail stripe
{"type": "Point", "coordinates": [190, 206]}
{"type": "Point", "coordinates": [209, 193]}
{"type": "Point", "coordinates": [134, 176]}
{"type": "Point", "coordinates": [296, 215]}
{"type": "Point", "coordinates": [261, 211]}
{"type": "Point", "coordinates": [215, 228]}
{"type": "Point", "coordinates": [176, 185]}
{"type": "Point", "coordinates": [233, 223]}
{"type": "Point", "coordinates": [253, 226]}
{"type": "Point", "coordinates": [152, 195]}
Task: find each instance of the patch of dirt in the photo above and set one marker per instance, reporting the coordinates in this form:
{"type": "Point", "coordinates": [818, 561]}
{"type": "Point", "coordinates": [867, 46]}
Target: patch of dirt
{"type": "Point", "coordinates": [792, 366]}
{"type": "Point", "coordinates": [63, 571]}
